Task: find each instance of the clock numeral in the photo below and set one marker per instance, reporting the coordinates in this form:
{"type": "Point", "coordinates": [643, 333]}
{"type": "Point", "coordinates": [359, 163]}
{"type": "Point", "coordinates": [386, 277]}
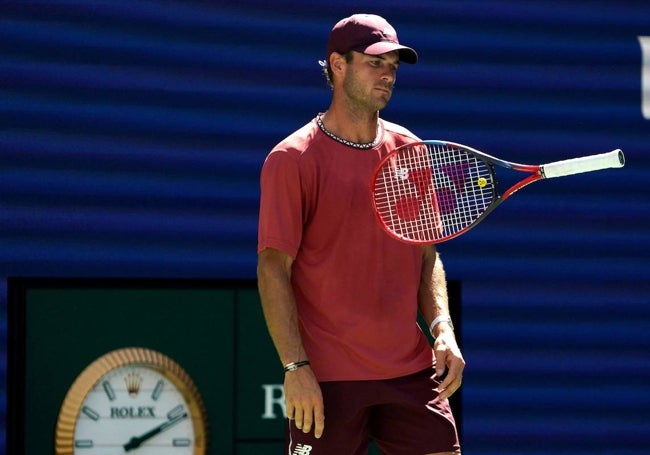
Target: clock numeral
{"type": "Point", "coordinates": [181, 442]}
{"type": "Point", "coordinates": [175, 412]}
{"type": "Point", "coordinates": [90, 413]}
{"type": "Point", "coordinates": [110, 393]}
{"type": "Point", "coordinates": [157, 390]}
{"type": "Point", "coordinates": [83, 443]}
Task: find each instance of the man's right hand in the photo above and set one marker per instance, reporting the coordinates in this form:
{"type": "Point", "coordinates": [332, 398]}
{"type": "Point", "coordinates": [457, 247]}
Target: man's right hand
{"type": "Point", "coordinates": [304, 400]}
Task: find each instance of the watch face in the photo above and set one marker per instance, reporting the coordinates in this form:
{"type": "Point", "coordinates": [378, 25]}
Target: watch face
{"type": "Point", "coordinates": [138, 407]}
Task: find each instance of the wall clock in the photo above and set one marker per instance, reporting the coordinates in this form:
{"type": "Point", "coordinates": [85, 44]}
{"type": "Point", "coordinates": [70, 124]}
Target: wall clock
{"type": "Point", "coordinates": [132, 401]}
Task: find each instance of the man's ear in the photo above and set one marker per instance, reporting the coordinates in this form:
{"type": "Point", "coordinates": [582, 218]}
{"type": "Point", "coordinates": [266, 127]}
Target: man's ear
{"type": "Point", "coordinates": [337, 62]}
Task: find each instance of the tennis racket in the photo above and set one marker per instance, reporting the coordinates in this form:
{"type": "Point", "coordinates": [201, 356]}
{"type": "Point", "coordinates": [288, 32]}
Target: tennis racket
{"type": "Point", "coordinates": [432, 191]}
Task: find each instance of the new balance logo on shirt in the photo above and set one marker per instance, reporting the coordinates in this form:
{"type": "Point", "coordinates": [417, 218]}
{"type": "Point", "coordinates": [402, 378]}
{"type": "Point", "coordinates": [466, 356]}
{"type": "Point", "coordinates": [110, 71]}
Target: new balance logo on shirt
{"type": "Point", "coordinates": [302, 449]}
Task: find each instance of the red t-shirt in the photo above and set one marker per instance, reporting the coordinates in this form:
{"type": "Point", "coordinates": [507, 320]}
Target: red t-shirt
{"type": "Point", "coordinates": [355, 286]}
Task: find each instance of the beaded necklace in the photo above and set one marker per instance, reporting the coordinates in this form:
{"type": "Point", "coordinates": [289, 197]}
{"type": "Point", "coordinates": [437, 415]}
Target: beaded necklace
{"type": "Point", "coordinates": [356, 145]}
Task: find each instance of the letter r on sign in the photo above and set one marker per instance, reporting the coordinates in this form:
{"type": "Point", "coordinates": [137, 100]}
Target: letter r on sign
{"type": "Point", "coordinates": [273, 396]}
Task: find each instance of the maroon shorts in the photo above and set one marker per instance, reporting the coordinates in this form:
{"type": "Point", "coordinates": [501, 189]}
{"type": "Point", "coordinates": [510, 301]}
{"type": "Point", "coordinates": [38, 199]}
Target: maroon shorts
{"type": "Point", "coordinates": [401, 415]}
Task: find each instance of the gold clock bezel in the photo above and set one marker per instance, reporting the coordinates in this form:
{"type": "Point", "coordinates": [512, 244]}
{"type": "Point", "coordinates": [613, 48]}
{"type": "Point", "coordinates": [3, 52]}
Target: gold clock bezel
{"type": "Point", "coordinates": [71, 407]}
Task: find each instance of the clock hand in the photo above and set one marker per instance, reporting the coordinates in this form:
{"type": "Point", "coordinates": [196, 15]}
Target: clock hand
{"type": "Point", "coordinates": [136, 441]}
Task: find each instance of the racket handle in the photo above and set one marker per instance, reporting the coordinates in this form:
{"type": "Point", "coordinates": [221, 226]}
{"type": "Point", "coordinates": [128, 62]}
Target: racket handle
{"type": "Point", "coordinates": [615, 158]}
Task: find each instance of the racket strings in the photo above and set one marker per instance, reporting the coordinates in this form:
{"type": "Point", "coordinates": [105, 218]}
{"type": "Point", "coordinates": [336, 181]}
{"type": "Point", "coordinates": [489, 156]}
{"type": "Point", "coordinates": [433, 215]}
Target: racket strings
{"type": "Point", "coordinates": [464, 183]}
{"type": "Point", "coordinates": [403, 195]}
{"type": "Point", "coordinates": [428, 192]}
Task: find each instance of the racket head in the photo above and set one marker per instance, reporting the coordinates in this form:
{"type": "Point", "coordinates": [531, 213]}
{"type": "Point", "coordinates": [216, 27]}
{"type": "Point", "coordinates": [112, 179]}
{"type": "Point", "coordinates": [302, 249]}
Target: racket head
{"type": "Point", "coordinates": [432, 191]}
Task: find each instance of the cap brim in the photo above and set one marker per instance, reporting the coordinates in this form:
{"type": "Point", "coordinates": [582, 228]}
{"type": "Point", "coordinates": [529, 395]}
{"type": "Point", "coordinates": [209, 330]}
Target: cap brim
{"type": "Point", "coordinates": [406, 54]}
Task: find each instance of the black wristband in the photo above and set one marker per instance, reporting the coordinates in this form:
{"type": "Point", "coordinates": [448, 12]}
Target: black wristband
{"type": "Point", "coordinates": [293, 366]}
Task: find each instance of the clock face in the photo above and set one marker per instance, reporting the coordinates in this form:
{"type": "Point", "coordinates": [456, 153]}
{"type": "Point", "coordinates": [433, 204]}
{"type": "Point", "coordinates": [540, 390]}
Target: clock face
{"type": "Point", "coordinates": [135, 407]}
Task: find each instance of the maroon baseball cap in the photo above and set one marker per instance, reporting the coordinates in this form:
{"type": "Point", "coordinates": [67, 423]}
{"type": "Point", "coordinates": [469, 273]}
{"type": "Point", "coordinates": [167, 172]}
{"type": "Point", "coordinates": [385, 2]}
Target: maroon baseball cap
{"type": "Point", "coordinates": [369, 34]}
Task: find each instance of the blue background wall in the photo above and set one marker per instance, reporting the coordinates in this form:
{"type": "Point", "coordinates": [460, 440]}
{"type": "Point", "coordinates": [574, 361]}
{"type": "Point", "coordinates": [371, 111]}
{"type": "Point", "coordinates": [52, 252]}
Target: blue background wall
{"type": "Point", "coordinates": [132, 135]}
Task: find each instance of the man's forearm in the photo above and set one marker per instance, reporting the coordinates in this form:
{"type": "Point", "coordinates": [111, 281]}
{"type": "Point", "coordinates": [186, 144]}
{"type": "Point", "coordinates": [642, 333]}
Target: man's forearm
{"type": "Point", "coordinates": [432, 294]}
{"type": "Point", "coordinates": [279, 307]}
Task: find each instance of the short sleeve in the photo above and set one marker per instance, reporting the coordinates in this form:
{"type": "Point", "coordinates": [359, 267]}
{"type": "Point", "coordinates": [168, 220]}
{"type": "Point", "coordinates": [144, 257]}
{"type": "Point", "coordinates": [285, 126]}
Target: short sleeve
{"type": "Point", "coordinates": [281, 211]}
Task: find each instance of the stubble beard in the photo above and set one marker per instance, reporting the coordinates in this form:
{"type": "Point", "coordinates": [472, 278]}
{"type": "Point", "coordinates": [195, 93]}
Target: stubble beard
{"type": "Point", "coordinates": [362, 98]}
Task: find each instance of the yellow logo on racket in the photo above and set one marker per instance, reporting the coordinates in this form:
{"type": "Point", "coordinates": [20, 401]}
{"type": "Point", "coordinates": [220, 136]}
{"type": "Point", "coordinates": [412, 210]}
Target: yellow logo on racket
{"type": "Point", "coordinates": [482, 182]}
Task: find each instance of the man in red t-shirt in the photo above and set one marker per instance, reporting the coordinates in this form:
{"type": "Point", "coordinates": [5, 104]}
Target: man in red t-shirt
{"type": "Point", "coordinates": [340, 296]}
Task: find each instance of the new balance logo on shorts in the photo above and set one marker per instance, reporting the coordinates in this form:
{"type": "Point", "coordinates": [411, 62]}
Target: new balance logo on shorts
{"type": "Point", "coordinates": [302, 449]}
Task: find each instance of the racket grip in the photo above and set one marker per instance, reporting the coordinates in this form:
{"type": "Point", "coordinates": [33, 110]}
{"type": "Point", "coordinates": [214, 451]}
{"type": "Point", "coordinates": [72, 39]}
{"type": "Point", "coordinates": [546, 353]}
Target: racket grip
{"type": "Point", "coordinates": [615, 158]}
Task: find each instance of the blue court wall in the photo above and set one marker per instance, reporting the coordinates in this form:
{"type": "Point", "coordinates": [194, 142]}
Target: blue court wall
{"type": "Point", "coordinates": [132, 135]}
